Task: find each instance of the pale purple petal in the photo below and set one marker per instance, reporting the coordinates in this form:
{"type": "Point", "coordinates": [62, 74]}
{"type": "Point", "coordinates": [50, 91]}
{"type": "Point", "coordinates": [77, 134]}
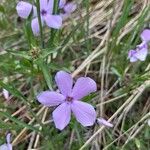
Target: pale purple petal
{"type": "Point", "coordinates": [141, 54]}
{"type": "Point", "coordinates": [141, 51]}
{"type": "Point", "coordinates": [62, 3]}
{"type": "Point", "coordinates": [70, 7]}
{"type": "Point", "coordinates": [50, 6]}
{"type": "Point", "coordinates": [8, 138]}
{"type": "Point", "coordinates": [64, 82]}
{"type": "Point", "coordinates": [83, 87]}
{"type": "Point", "coordinates": [53, 21]}
{"type": "Point", "coordinates": [142, 45]}
{"type": "Point", "coordinates": [7, 146]}
{"type": "Point", "coordinates": [84, 113]}
{"type": "Point", "coordinates": [6, 94]}
{"type": "Point", "coordinates": [4, 147]}
{"type": "Point", "coordinates": [62, 115]}
{"type": "Point", "coordinates": [35, 26]}
{"type": "Point", "coordinates": [145, 35]}
{"type": "Point", "coordinates": [102, 121]}
{"type": "Point", "coordinates": [34, 11]}
{"type": "Point", "coordinates": [133, 59]}
{"type": "Point", "coordinates": [50, 98]}
{"type": "Point", "coordinates": [43, 4]}
{"type": "Point", "coordinates": [23, 9]}
{"type": "Point", "coordinates": [131, 55]}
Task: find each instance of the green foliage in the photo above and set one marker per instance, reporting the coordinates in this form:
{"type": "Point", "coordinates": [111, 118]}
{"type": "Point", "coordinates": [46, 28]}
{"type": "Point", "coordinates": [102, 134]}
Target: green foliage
{"type": "Point", "coordinates": [30, 63]}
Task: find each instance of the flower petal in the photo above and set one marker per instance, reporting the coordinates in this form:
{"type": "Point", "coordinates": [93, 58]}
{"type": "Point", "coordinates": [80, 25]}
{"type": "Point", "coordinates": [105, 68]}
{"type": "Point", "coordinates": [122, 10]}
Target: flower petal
{"type": "Point", "coordinates": [142, 45]}
{"type": "Point", "coordinates": [9, 146]}
{"type": "Point", "coordinates": [35, 26]}
{"type": "Point", "coordinates": [24, 9]}
{"type": "Point", "coordinates": [84, 113]}
{"type": "Point", "coordinates": [34, 11]}
{"type": "Point", "coordinates": [141, 51]}
{"type": "Point", "coordinates": [4, 147]}
{"type": "Point", "coordinates": [142, 54]}
{"type": "Point", "coordinates": [53, 21]}
{"type": "Point", "coordinates": [102, 121]}
{"type": "Point", "coordinates": [62, 3]}
{"type": "Point", "coordinates": [131, 56]}
{"type": "Point", "coordinates": [43, 4]}
{"type": "Point", "coordinates": [83, 87]}
{"type": "Point", "coordinates": [62, 115]}
{"type": "Point", "coordinates": [50, 98]}
{"type": "Point", "coordinates": [6, 94]}
{"type": "Point", "coordinates": [64, 82]}
{"type": "Point", "coordinates": [70, 7]}
{"type": "Point", "coordinates": [50, 6]}
{"type": "Point", "coordinates": [8, 138]}
{"type": "Point", "coordinates": [145, 35]}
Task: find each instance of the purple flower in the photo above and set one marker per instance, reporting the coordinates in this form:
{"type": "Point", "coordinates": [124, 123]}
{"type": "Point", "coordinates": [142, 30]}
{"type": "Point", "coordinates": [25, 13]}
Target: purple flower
{"type": "Point", "coordinates": [68, 8]}
{"type": "Point", "coordinates": [102, 121]}
{"type": "Point", "coordinates": [141, 51]}
{"type": "Point", "coordinates": [69, 100]}
{"type": "Point", "coordinates": [5, 94]}
{"type": "Point", "coordinates": [145, 35]}
{"type": "Point", "coordinates": [24, 9]}
{"type": "Point", "coordinates": [8, 145]}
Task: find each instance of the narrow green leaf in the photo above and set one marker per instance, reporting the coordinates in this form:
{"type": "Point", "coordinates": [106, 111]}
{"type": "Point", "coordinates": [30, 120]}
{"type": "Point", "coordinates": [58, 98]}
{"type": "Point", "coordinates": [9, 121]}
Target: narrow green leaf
{"type": "Point", "coordinates": [22, 54]}
{"type": "Point", "coordinates": [19, 122]}
{"type": "Point", "coordinates": [47, 76]}
{"type": "Point", "coordinates": [2, 9]}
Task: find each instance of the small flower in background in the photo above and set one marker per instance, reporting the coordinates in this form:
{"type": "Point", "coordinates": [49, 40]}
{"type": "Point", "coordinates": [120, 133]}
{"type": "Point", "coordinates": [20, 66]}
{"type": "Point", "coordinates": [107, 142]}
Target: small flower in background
{"type": "Point", "coordinates": [145, 35]}
{"type": "Point", "coordinates": [141, 51]}
{"type": "Point", "coordinates": [8, 145]}
{"type": "Point", "coordinates": [67, 8]}
{"type": "Point", "coordinates": [139, 54]}
{"type": "Point", "coordinates": [24, 9]}
{"type": "Point", "coordinates": [102, 121]}
{"type": "Point", "coordinates": [5, 92]}
{"type": "Point", "coordinates": [69, 100]}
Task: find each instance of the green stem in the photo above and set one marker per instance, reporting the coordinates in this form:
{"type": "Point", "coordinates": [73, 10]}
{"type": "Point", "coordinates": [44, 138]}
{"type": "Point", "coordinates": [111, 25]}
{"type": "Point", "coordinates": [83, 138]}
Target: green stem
{"type": "Point", "coordinates": [40, 23]}
{"type": "Point", "coordinates": [88, 42]}
{"type": "Point", "coordinates": [54, 31]}
{"type": "Point", "coordinates": [46, 74]}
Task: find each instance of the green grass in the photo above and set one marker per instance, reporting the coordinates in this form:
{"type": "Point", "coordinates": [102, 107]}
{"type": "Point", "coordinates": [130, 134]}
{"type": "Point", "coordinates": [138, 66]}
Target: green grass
{"type": "Point", "coordinates": [94, 42]}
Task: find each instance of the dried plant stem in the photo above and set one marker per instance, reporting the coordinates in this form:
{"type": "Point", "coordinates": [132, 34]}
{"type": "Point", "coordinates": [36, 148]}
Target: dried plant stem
{"type": "Point", "coordinates": [136, 92]}
{"type": "Point", "coordinates": [112, 100]}
{"type": "Point", "coordinates": [141, 120]}
{"type": "Point", "coordinates": [16, 113]}
{"type": "Point", "coordinates": [31, 140]}
{"type": "Point", "coordinates": [21, 134]}
{"type": "Point", "coordinates": [38, 136]}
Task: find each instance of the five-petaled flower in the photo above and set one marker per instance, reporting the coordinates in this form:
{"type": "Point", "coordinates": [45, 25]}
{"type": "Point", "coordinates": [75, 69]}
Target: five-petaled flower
{"type": "Point", "coordinates": [8, 145]}
{"type": "Point", "coordinates": [141, 51]}
{"type": "Point", "coordinates": [24, 9]}
{"type": "Point", "coordinates": [67, 7]}
{"type": "Point", "coordinates": [69, 100]}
